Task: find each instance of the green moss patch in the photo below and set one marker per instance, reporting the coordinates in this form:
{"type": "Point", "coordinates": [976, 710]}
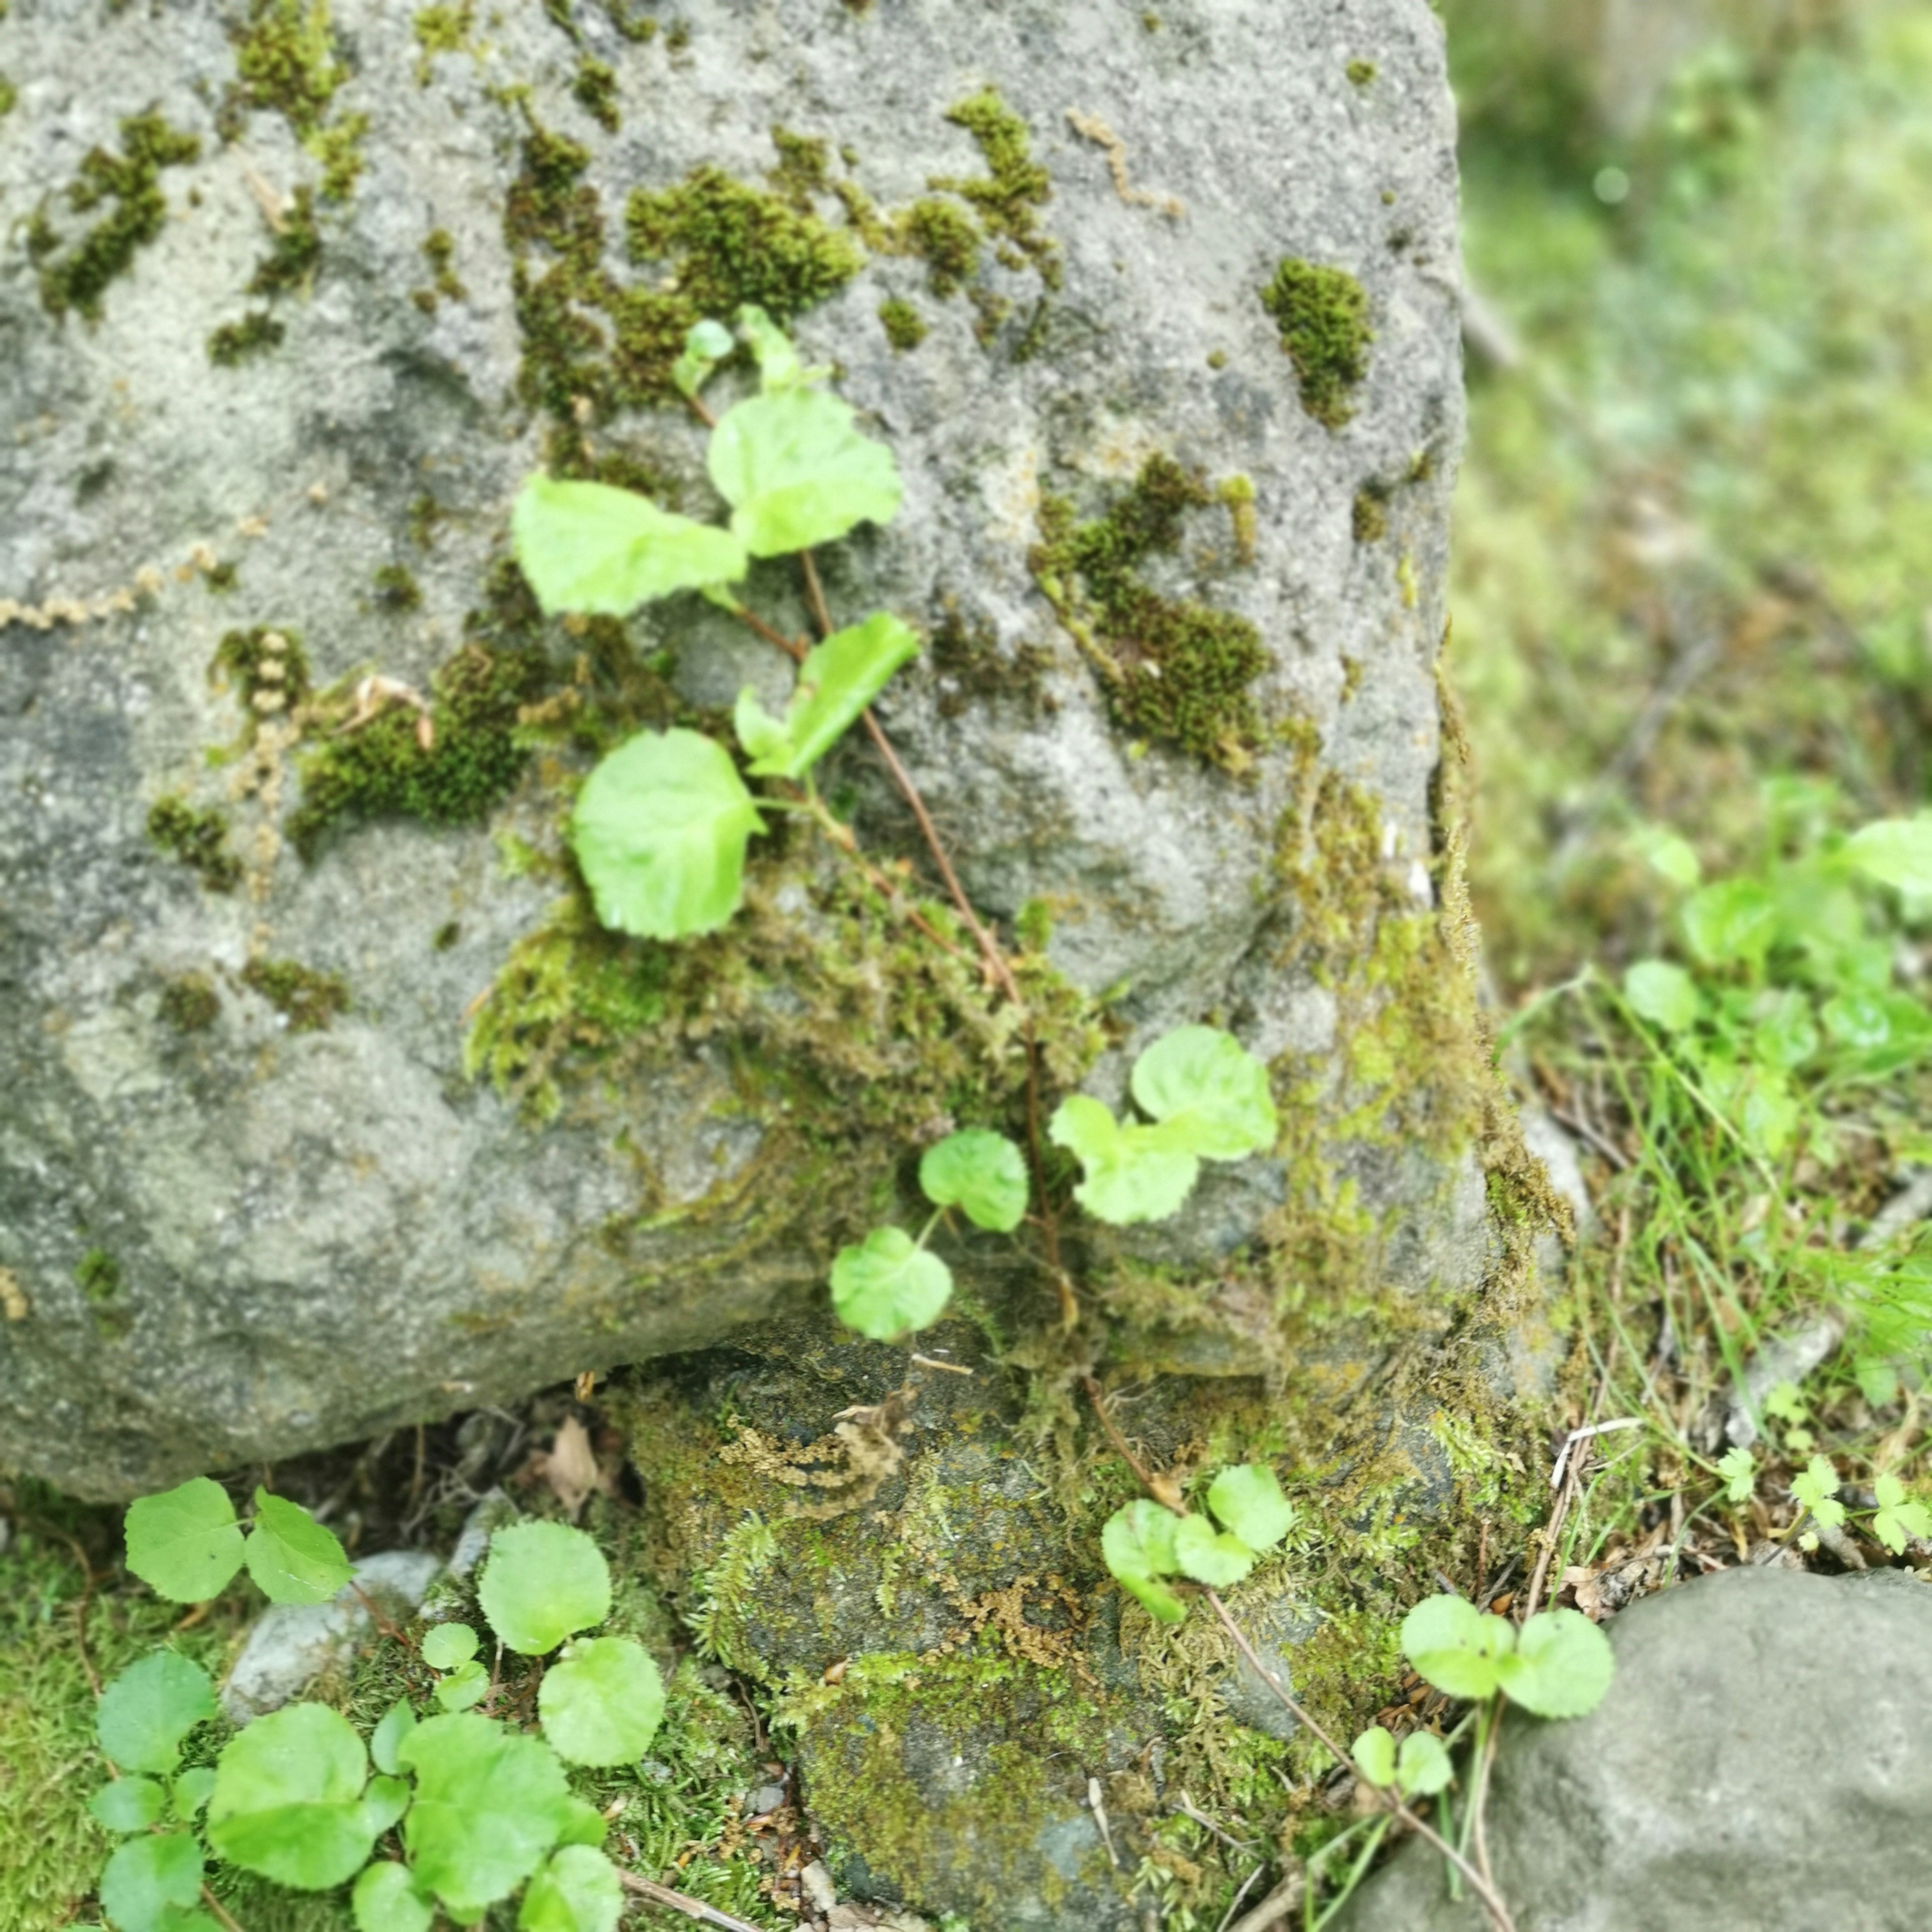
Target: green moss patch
{"type": "Point", "coordinates": [309, 1001]}
{"type": "Point", "coordinates": [594, 88]}
{"type": "Point", "coordinates": [189, 1003]}
{"type": "Point", "coordinates": [1174, 669]}
{"type": "Point", "coordinates": [288, 60]}
{"type": "Point", "coordinates": [290, 262]}
{"type": "Point", "coordinates": [1323, 315]}
{"type": "Point", "coordinates": [1015, 187]}
{"type": "Point", "coordinates": [198, 838]}
{"type": "Point", "coordinates": [234, 342]}
{"type": "Point", "coordinates": [904, 326]}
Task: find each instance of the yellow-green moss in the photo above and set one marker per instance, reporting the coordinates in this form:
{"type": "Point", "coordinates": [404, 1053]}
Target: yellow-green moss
{"type": "Point", "coordinates": [234, 342]}
{"type": "Point", "coordinates": [1173, 669]}
{"type": "Point", "coordinates": [290, 262]}
{"type": "Point", "coordinates": [441, 30]}
{"type": "Point", "coordinates": [396, 589]}
{"type": "Point", "coordinates": [1323, 315]}
{"type": "Point", "coordinates": [1371, 514]}
{"type": "Point", "coordinates": [268, 669]}
{"type": "Point", "coordinates": [98, 1276]}
{"type": "Point", "coordinates": [904, 326]}
{"type": "Point", "coordinates": [288, 61]}
{"type": "Point", "coordinates": [804, 168]}
{"type": "Point", "coordinates": [131, 182]}
{"type": "Point", "coordinates": [594, 88]}
{"type": "Point", "coordinates": [1013, 187]}
{"type": "Point", "coordinates": [439, 249]}
{"type": "Point", "coordinates": [198, 838]}
{"type": "Point", "coordinates": [189, 1003]}
{"type": "Point", "coordinates": [944, 236]}
{"type": "Point", "coordinates": [309, 1000]}
{"type": "Point", "coordinates": [1360, 72]}
{"type": "Point", "coordinates": [9, 96]}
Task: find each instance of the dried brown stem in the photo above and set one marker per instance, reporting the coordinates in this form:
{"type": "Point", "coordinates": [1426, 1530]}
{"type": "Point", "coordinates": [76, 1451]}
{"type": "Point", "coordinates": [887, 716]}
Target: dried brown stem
{"type": "Point", "coordinates": [214, 1905]}
{"type": "Point", "coordinates": [677, 1901]}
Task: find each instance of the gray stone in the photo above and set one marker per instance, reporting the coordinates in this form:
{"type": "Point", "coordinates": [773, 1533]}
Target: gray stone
{"type": "Point", "coordinates": [237, 1236]}
{"type": "Point", "coordinates": [293, 1644]}
{"type": "Point", "coordinates": [1762, 1760]}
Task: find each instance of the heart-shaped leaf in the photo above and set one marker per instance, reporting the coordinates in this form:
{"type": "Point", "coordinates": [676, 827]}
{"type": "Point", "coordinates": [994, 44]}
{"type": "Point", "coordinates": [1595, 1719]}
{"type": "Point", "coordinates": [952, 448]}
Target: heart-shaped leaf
{"type": "Point", "coordinates": [1246, 1500]}
{"type": "Point", "coordinates": [1210, 1094]}
{"type": "Point", "coordinates": [396, 1723]}
{"type": "Point", "coordinates": [544, 1581]}
{"type": "Point", "coordinates": [184, 1542]}
{"type": "Point", "coordinates": [588, 548]}
{"type": "Point", "coordinates": [836, 682]}
{"type": "Point", "coordinates": [797, 471]}
{"type": "Point", "coordinates": [294, 1559]}
{"type": "Point", "coordinates": [1456, 1646]}
{"type": "Point", "coordinates": [981, 1172]}
{"type": "Point", "coordinates": [386, 1900]}
{"type": "Point", "coordinates": [578, 1891]}
{"type": "Point", "coordinates": [128, 1804]}
{"type": "Point", "coordinates": [1561, 1667]}
{"type": "Point", "coordinates": [446, 1646]}
{"type": "Point", "coordinates": [151, 1880]}
{"type": "Point", "coordinates": [288, 1799]}
{"type": "Point", "coordinates": [1374, 1753]}
{"type": "Point", "coordinates": [147, 1710]}
{"type": "Point", "coordinates": [888, 1285]}
{"type": "Point", "coordinates": [603, 1703]}
{"type": "Point", "coordinates": [1209, 1557]}
{"type": "Point", "coordinates": [1897, 852]}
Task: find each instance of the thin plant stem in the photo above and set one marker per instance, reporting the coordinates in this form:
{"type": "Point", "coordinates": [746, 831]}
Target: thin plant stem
{"type": "Point", "coordinates": [679, 1901]}
{"type": "Point", "coordinates": [215, 1905]}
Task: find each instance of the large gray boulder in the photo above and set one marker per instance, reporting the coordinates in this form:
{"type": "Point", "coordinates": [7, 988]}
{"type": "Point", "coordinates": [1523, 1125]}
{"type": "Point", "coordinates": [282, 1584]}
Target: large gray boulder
{"type": "Point", "coordinates": [1762, 1760]}
{"type": "Point", "coordinates": [284, 322]}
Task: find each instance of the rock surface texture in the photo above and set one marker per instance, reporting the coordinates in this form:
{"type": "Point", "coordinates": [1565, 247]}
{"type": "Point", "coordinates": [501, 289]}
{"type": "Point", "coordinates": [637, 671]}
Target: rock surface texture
{"type": "Point", "coordinates": [1762, 1760]}
{"type": "Point", "coordinates": [327, 1106]}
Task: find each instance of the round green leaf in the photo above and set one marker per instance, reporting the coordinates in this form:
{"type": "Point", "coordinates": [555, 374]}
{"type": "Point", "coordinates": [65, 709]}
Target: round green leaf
{"type": "Point", "coordinates": [1374, 1753]}
{"type": "Point", "coordinates": [1456, 1646]}
{"type": "Point", "coordinates": [578, 1891]}
{"type": "Point", "coordinates": [147, 1710]}
{"type": "Point", "coordinates": [386, 1900]}
{"type": "Point", "coordinates": [1732, 920]}
{"type": "Point", "coordinates": [148, 1878]}
{"type": "Point", "coordinates": [1897, 852]}
{"type": "Point", "coordinates": [1209, 1092]}
{"type": "Point", "coordinates": [446, 1646]}
{"type": "Point", "coordinates": [836, 682]}
{"type": "Point", "coordinates": [185, 1542]}
{"type": "Point", "coordinates": [583, 1824]}
{"type": "Point", "coordinates": [191, 1791]}
{"type": "Point", "coordinates": [396, 1723]}
{"type": "Point", "coordinates": [385, 1801]}
{"type": "Point", "coordinates": [468, 1684]}
{"type": "Point", "coordinates": [1424, 1768]}
{"type": "Point", "coordinates": [544, 1581]}
{"type": "Point", "coordinates": [1214, 1558]}
{"type": "Point", "coordinates": [1247, 1501]}
{"type": "Point", "coordinates": [295, 1559]}
{"type": "Point", "coordinates": [981, 1172]}
{"type": "Point", "coordinates": [489, 1804]}
{"type": "Point", "coordinates": [660, 829]}
{"type": "Point", "coordinates": [1664, 994]}
{"type": "Point", "coordinates": [1561, 1667]}
{"type": "Point", "coordinates": [888, 1285]}
{"type": "Point", "coordinates": [1137, 1539]}
{"type": "Point", "coordinates": [1132, 1174]}
{"type": "Point", "coordinates": [797, 471]}
{"type": "Point", "coordinates": [601, 551]}
{"type": "Point", "coordinates": [128, 1803]}
{"type": "Point", "coordinates": [602, 1705]}
{"type": "Point", "coordinates": [288, 1799]}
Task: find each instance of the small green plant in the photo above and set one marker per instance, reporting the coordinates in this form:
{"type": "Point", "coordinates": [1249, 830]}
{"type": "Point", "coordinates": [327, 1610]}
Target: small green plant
{"type": "Point", "coordinates": [1558, 1665]}
{"type": "Point", "coordinates": [1144, 1541]}
{"type": "Point", "coordinates": [469, 1807]}
{"type": "Point", "coordinates": [1895, 1517]}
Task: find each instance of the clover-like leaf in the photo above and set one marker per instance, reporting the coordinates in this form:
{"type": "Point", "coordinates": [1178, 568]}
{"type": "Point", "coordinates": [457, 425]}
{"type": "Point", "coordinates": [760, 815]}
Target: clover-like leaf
{"type": "Point", "coordinates": [386, 1740]}
{"type": "Point", "coordinates": [1560, 1667]}
{"type": "Point", "coordinates": [1210, 1094]}
{"type": "Point", "coordinates": [1664, 994]}
{"type": "Point", "coordinates": [1374, 1754]}
{"type": "Point", "coordinates": [1247, 1501]}
{"type": "Point", "coordinates": [1208, 1556]}
{"type": "Point", "coordinates": [294, 1559]}
{"type": "Point", "coordinates": [129, 1803]}
{"type": "Point", "coordinates": [578, 1891]}
{"type": "Point", "coordinates": [1131, 1174]}
{"type": "Point", "coordinates": [797, 471]}
{"type": "Point", "coordinates": [888, 1285]}
{"type": "Point", "coordinates": [184, 1542]}
{"type": "Point", "coordinates": [660, 829]}
{"type": "Point", "coordinates": [602, 1704]}
{"type": "Point", "coordinates": [1457, 1646]}
{"type": "Point", "coordinates": [836, 682]}
{"type": "Point", "coordinates": [386, 1900]}
{"type": "Point", "coordinates": [287, 1801]}
{"type": "Point", "coordinates": [598, 551]}
{"type": "Point", "coordinates": [446, 1646]}
{"type": "Point", "coordinates": [489, 1805]}
{"type": "Point", "coordinates": [544, 1581]}
{"type": "Point", "coordinates": [150, 1880]}
{"type": "Point", "coordinates": [1817, 1488]}
{"type": "Point", "coordinates": [1896, 852]}
{"type": "Point", "coordinates": [1423, 1768]}
{"type": "Point", "coordinates": [1899, 1519]}
{"type": "Point", "coordinates": [147, 1710]}
{"type": "Point", "coordinates": [980, 1172]}
{"type": "Point", "coordinates": [1738, 1467]}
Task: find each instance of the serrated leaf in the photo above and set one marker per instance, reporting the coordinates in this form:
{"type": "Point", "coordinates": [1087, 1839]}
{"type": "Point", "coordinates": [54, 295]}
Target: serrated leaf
{"type": "Point", "coordinates": [446, 1646]}
{"type": "Point", "coordinates": [128, 1804]}
{"type": "Point", "coordinates": [190, 1791]}
{"type": "Point", "coordinates": [293, 1558]}
{"type": "Point", "coordinates": [1738, 1467]}
{"type": "Point", "coordinates": [1457, 1646]}
{"type": "Point", "coordinates": [660, 829]}
{"type": "Point", "coordinates": [598, 551]}
{"type": "Point", "coordinates": [1896, 852]}
{"type": "Point", "coordinates": [386, 1900]}
{"type": "Point", "coordinates": [147, 1710]}
{"type": "Point", "coordinates": [603, 1703]}
{"type": "Point", "coordinates": [1664, 994]}
{"type": "Point", "coordinates": [1374, 1753]}
{"type": "Point", "coordinates": [1247, 1501]}
{"type": "Point", "coordinates": [797, 472]}
{"type": "Point", "coordinates": [836, 682]}
{"type": "Point", "coordinates": [1560, 1667]}
{"type": "Point", "coordinates": [1208, 1556]}
{"type": "Point", "coordinates": [489, 1806]}
{"type": "Point", "coordinates": [544, 1581]}
{"type": "Point", "coordinates": [148, 1879]}
{"type": "Point", "coordinates": [1131, 1174]}
{"type": "Point", "coordinates": [578, 1891]}
{"type": "Point", "coordinates": [888, 1286]}
{"type": "Point", "coordinates": [1210, 1094]}
{"type": "Point", "coordinates": [185, 1542]}
{"type": "Point", "coordinates": [1816, 1489]}
{"type": "Point", "coordinates": [981, 1173]}
{"type": "Point", "coordinates": [1423, 1768]}
{"type": "Point", "coordinates": [287, 1801]}
{"type": "Point", "coordinates": [1899, 1519]}
{"type": "Point", "coordinates": [468, 1684]}
{"type": "Point", "coordinates": [396, 1724]}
